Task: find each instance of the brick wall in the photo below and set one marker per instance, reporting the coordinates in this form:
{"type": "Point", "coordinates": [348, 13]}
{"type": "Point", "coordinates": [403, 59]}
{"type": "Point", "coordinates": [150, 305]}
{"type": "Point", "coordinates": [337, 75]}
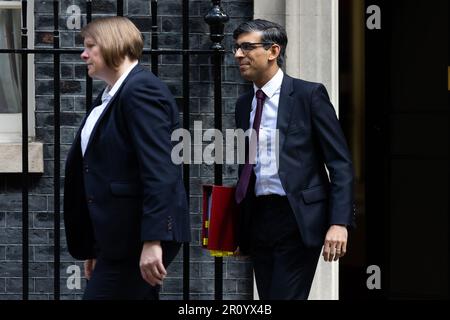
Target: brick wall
{"type": "Point", "coordinates": [237, 273]}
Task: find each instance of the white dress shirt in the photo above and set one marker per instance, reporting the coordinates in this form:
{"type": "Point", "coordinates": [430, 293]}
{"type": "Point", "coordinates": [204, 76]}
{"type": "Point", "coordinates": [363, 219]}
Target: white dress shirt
{"type": "Point", "coordinates": [108, 94]}
{"type": "Point", "coordinates": [266, 166]}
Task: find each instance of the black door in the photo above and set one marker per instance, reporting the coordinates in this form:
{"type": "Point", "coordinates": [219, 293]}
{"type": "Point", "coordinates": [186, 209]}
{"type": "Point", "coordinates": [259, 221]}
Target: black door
{"type": "Point", "coordinates": [405, 161]}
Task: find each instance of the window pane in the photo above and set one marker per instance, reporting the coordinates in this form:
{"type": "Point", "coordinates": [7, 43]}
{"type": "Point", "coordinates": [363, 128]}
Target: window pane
{"type": "Point", "coordinates": [10, 64]}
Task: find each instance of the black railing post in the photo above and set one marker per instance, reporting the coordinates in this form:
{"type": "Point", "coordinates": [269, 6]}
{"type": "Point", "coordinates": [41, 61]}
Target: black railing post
{"type": "Point", "coordinates": [56, 153]}
{"type": "Point", "coordinates": [25, 174]}
{"type": "Point", "coordinates": [154, 40]}
{"type": "Point", "coordinates": [186, 120]}
{"type": "Point", "coordinates": [120, 8]}
{"type": "Point", "coordinates": [216, 18]}
{"type": "Point", "coordinates": [88, 79]}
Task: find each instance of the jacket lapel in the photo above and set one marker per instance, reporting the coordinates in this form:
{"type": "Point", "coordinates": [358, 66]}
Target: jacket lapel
{"type": "Point", "coordinates": [96, 103]}
{"type": "Point", "coordinates": [245, 108]}
{"type": "Point", "coordinates": [77, 140]}
{"type": "Point", "coordinates": [136, 69]}
{"type": "Point", "coordinates": [285, 106]}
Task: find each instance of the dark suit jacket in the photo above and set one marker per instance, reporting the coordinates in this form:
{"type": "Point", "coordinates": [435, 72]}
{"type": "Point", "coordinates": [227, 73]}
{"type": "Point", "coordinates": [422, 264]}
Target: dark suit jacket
{"type": "Point", "coordinates": [310, 137]}
{"type": "Point", "coordinates": [126, 189]}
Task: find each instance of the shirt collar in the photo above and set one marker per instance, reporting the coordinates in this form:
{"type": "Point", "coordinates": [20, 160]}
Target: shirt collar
{"type": "Point", "coordinates": [108, 93]}
{"type": "Point", "coordinates": [272, 85]}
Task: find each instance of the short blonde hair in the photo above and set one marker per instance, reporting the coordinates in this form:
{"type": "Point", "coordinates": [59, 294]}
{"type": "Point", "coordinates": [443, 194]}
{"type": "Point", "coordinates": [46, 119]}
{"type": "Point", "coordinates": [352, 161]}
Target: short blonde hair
{"type": "Point", "coordinates": [117, 38]}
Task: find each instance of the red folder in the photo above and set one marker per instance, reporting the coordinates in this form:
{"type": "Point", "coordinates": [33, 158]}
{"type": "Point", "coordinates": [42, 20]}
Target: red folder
{"type": "Point", "coordinates": [220, 218]}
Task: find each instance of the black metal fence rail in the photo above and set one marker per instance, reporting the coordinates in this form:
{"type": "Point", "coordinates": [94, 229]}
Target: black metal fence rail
{"type": "Point", "coordinates": [56, 164]}
{"type": "Point", "coordinates": [216, 18]}
{"type": "Point", "coordinates": [25, 258]}
{"type": "Point", "coordinates": [186, 121]}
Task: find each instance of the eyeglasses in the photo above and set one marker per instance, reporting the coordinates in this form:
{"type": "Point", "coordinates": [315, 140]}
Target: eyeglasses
{"type": "Point", "coordinates": [249, 46]}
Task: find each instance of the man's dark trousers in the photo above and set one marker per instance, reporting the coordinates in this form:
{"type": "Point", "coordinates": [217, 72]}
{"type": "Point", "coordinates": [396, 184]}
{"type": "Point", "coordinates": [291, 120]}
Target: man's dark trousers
{"type": "Point", "coordinates": [284, 267]}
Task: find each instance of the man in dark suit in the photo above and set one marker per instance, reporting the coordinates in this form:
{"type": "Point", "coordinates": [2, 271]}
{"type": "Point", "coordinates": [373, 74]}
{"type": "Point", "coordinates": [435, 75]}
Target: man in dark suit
{"type": "Point", "coordinates": [290, 207]}
{"type": "Point", "coordinates": [125, 207]}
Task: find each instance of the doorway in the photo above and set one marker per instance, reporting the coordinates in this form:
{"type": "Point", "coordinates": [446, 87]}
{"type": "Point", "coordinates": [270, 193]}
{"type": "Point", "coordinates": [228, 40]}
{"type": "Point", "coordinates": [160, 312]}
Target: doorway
{"type": "Point", "coordinates": [394, 112]}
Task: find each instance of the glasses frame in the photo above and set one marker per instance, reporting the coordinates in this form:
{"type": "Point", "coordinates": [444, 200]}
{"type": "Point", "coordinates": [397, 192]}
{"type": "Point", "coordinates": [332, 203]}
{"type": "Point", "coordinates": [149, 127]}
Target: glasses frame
{"type": "Point", "coordinates": [251, 46]}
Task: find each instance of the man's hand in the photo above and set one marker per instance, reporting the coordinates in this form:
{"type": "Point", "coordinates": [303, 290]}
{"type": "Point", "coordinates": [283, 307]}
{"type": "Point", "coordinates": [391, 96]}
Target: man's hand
{"type": "Point", "coordinates": [335, 245]}
{"type": "Point", "coordinates": [152, 268]}
{"type": "Point", "coordinates": [89, 266]}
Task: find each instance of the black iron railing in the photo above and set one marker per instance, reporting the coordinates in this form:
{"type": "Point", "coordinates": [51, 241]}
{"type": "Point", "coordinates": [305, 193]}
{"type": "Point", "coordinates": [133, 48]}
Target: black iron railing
{"type": "Point", "coordinates": [216, 18]}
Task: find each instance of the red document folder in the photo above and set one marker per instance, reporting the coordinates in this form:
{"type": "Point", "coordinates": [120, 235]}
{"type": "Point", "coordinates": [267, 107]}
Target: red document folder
{"type": "Point", "coordinates": [220, 218]}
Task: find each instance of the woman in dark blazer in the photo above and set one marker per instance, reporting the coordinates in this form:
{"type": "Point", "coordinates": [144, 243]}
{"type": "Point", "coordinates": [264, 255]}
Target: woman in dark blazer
{"type": "Point", "coordinates": [125, 207]}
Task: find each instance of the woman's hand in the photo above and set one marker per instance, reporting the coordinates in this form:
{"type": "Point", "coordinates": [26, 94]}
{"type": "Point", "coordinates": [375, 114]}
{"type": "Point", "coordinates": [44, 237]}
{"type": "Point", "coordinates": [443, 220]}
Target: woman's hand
{"type": "Point", "coordinates": [89, 266]}
{"type": "Point", "coordinates": [151, 264]}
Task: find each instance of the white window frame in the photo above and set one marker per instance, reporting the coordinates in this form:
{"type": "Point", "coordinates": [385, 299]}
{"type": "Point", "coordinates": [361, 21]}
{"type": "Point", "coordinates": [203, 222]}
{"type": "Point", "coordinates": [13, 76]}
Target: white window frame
{"type": "Point", "coordinates": [11, 123]}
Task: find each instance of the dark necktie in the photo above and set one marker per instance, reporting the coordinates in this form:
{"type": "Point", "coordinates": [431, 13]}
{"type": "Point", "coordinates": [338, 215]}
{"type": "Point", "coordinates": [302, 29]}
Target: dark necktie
{"type": "Point", "coordinates": [244, 179]}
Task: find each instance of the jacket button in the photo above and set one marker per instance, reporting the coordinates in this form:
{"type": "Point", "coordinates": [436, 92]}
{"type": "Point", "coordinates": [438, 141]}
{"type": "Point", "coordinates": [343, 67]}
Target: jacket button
{"type": "Point", "coordinates": [86, 169]}
{"type": "Point", "coordinates": [90, 199]}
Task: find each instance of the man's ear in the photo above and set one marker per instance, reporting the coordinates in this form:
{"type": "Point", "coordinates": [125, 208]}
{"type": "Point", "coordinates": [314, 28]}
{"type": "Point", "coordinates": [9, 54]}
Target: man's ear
{"type": "Point", "coordinates": [274, 52]}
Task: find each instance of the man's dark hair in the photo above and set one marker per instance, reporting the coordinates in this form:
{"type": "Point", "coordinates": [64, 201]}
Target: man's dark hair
{"type": "Point", "coordinates": [271, 32]}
